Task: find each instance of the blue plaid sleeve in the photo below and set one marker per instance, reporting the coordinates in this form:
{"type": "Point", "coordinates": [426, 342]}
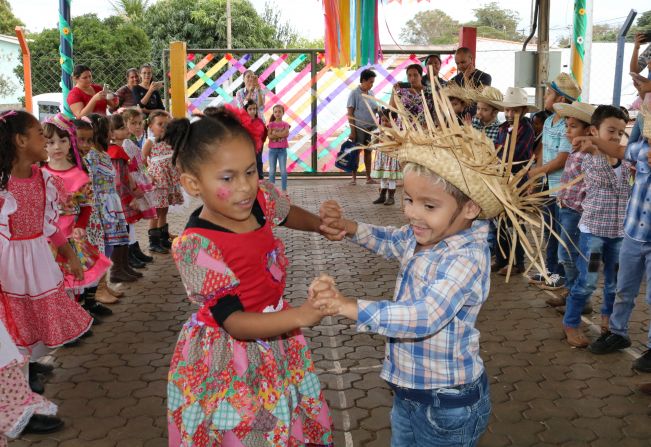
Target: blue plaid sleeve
{"type": "Point", "coordinates": [389, 242]}
{"type": "Point", "coordinates": [425, 305]}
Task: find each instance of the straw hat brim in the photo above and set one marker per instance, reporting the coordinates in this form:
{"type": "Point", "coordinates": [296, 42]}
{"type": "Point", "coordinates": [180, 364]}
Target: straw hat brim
{"type": "Point", "coordinates": [456, 172]}
{"type": "Point", "coordinates": [568, 111]}
{"type": "Point", "coordinates": [493, 102]}
{"type": "Point", "coordinates": [510, 105]}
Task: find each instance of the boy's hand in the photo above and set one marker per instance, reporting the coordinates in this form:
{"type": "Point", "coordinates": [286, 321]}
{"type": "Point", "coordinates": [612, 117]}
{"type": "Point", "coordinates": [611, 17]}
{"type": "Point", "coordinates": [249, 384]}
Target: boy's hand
{"type": "Point", "coordinates": [325, 296]}
{"type": "Point", "coordinates": [333, 225]}
{"type": "Point", "coordinates": [584, 144]}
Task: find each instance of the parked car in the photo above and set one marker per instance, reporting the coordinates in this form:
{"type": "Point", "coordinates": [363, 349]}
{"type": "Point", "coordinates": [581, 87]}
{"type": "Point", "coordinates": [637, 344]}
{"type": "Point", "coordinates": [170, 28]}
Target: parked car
{"type": "Point", "coordinates": [47, 104]}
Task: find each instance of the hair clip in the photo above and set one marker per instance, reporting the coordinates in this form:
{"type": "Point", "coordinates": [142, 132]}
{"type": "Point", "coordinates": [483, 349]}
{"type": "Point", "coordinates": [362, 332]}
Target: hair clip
{"type": "Point", "coordinates": [86, 119]}
{"type": "Point", "coordinates": [7, 114]}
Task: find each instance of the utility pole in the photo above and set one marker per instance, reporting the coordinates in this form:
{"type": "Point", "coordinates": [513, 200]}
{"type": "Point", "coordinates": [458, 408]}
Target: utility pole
{"type": "Point", "coordinates": [229, 36]}
{"type": "Point", "coordinates": [542, 55]}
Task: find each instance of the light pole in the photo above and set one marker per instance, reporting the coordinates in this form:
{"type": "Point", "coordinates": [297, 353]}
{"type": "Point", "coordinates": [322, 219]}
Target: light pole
{"type": "Point", "coordinates": [229, 36]}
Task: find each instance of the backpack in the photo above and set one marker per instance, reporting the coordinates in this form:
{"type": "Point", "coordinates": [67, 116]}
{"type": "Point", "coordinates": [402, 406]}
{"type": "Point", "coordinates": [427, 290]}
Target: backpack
{"type": "Point", "coordinates": [347, 160]}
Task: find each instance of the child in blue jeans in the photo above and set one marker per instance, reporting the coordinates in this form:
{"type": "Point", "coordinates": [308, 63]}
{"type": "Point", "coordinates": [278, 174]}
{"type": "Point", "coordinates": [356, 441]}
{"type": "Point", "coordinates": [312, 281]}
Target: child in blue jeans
{"type": "Point", "coordinates": [433, 363]}
{"type": "Point", "coordinates": [278, 133]}
{"type": "Point", "coordinates": [635, 252]}
{"type": "Point", "coordinates": [601, 225]}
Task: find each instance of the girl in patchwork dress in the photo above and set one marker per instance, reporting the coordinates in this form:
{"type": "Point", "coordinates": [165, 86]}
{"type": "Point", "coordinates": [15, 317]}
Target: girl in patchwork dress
{"type": "Point", "coordinates": [107, 200]}
{"type": "Point", "coordinates": [241, 373]}
{"type": "Point", "coordinates": [165, 177]}
{"type": "Point", "coordinates": [386, 168]}
{"type": "Point", "coordinates": [34, 305]}
{"type": "Point", "coordinates": [76, 202]}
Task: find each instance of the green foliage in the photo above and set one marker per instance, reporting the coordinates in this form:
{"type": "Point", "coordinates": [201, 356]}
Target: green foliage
{"type": "Point", "coordinates": [109, 47]}
{"type": "Point", "coordinates": [202, 24]}
{"type": "Point", "coordinates": [284, 32]}
{"type": "Point", "coordinates": [496, 22]}
{"type": "Point", "coordinates": [644, 21]}
{"type": "Point", "coordinates": [429, 28]}
{"type": "Point", "coordinates": [8, 21]}
{"type": "Point", "coordinates": [604, 33]}
{"type": "Point", "coordinates": [132, 10]}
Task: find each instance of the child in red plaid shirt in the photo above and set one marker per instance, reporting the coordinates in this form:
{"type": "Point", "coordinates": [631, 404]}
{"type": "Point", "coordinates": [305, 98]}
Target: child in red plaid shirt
{"type": "Point", "coordinates": [601, 226]}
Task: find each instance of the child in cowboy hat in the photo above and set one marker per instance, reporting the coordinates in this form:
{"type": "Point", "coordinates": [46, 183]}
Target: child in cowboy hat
{"type": "Point", "coordinates": [514, 103]}
{"type": "Point", "coordinates": [577, 123]}
{"type": "Point", "coordinates": [635, 252]}
{"type": "Point", "coordinates": [453, 181]}
{"type": "Point", "coordinates": [488, 106]}
{"type": "Point", "coordinates": [556, 148]}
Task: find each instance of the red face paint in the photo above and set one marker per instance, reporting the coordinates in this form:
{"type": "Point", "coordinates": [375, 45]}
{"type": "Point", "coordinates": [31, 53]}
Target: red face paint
{"type": "Point", "coordinates": [223, 193]}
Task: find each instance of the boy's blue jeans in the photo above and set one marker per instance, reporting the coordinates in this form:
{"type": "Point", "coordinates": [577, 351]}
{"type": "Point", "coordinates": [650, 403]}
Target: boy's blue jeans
{"type": "Point", "coordinates": [550, 213]}
{"type": "Point", "coordinates": [281, 156]}
{"type": "Point", "coordinates": [569, 232]}
{"type": "Point", "coordinates": [595, 249]}
{"type": "Point", "coordinates": [634, 261]}
{"type": "Point", "coordinates": [435, 420]}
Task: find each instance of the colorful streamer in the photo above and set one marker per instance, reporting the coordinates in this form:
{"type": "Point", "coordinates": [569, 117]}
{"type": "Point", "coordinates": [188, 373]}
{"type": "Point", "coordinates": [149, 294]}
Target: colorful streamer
{"type": "Point", "coordinates": [578, 40]}
{"type": "Point", "coordinates": [65, 53]}
{"type": "Point", "coordinates": [351, 36]}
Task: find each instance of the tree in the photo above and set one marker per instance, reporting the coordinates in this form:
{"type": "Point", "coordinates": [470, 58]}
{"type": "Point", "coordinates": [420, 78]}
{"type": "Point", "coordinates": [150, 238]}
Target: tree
{"type": "Point", "coordinates": [604, 33]}
{"type": "Point", "coordinates": [285, 33]}
{"type": "Point", "coordinates": [8, 21]}
{"type": "Point", "coordinates": [133, 10]}
{"type": "Point", "coordinates": [202, 24]}
{"type": "Point", "coordinates": [109, 47]}
{"type": "Point", "coordinates": [430, 27]}
{"type": "Point", "coordinates": [644, 21]}
{"type": "Point", "coordinates": [494, 21]}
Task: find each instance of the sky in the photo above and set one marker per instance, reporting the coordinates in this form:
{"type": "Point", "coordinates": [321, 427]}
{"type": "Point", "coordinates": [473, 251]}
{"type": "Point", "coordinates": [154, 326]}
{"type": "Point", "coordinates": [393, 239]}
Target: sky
{"type": "Point", "coordinates": [308, 18]}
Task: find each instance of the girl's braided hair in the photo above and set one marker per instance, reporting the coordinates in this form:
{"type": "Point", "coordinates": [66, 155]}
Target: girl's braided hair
{"type": "Point", "coordinates": [12, 123]}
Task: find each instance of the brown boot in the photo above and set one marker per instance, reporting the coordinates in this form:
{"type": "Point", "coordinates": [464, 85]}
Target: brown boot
{"type": "Point", "coordinates": [390, 199]}
{"type": "Point", "coordinates": [118, 271]}
{"type": "Point", "coordinates": [103, 295]}
{"type": "Point", "coordinates": [127, 267]}
{"type": "Point", "coordinates": [114, 289]}
{"type": "Point", "coordinates": [575, 337]}
{"type": "Point", "coordinates": [557, 301]}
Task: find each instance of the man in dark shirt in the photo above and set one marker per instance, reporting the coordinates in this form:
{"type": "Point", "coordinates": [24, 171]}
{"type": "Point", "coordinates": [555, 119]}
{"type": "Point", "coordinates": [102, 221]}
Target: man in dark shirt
{"type": "Point", "coordinates": [467, 71]}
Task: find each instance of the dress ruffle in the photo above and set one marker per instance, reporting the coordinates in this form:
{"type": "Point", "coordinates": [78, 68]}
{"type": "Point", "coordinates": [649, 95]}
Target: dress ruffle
{"type": "Point", "coordinates": [51, 214]}
{"type": "Point", "coordinates": [8, 206]}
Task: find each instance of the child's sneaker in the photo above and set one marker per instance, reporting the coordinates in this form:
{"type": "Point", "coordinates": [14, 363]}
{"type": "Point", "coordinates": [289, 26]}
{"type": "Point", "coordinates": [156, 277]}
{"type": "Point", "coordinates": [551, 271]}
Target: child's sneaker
{"type": "Point", "coordinates": [609, 342]}
{"type": "Point", "coordinates": [643, 363]}
{"type": "Point", "coordinates": [555, 282]}
{"type": "Point", "coordinates": [537, 278]}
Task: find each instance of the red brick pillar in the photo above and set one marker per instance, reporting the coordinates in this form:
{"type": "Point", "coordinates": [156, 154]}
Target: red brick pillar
{"type": "Point", "coordinates": [468, 39]}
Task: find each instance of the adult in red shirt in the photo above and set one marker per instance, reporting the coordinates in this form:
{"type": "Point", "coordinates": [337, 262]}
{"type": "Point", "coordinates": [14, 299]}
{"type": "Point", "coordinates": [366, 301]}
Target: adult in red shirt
{"type": "Point", "coordinates": [86, 98]}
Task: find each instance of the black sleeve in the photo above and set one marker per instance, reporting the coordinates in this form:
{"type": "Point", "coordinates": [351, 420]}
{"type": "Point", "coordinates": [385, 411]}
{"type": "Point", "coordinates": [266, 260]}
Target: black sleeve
{"type": "Point", "coordinates": [225, 307]}
{"type": "Point", "coordinates": [138, 94]}
{"type": "Point", "coordinates": [159, 101]}
{"type": "Point", "coordinates": [485, 79]}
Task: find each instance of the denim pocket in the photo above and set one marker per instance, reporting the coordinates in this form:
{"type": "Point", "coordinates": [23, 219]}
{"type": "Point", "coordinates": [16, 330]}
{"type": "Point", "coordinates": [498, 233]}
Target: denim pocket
{"type": "Point", "coordinates": [449, 419]}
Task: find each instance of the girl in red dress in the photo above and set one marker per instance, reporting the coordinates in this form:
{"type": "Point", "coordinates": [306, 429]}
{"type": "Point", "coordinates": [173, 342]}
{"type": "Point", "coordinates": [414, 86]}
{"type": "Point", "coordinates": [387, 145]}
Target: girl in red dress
{"type": "Point", "coordinates": [241, 373]}
{"type": "Point", "coordinates": [34, 307]}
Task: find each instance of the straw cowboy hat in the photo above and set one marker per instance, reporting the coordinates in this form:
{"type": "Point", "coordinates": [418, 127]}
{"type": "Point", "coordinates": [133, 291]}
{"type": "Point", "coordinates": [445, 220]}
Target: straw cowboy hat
{"type": "Point", "coordinates": [579, 110]}
{"type": "Point", "coordinates": [517, 97]}
{"type": "Point", "coordinates": [490, 95]}
{"type": "Point", "coordinates": [566, 86]}
{"type": "Point", "coordinates": [454, 90]}
{"type": "Point", "coordinates": [466, 158]}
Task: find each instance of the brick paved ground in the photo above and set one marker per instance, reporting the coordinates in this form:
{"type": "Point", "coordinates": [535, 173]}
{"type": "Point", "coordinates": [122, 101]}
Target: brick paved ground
{"type": "Point", "coordinates": [111, 389]}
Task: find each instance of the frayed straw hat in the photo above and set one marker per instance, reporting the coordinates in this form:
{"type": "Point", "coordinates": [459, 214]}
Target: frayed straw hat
{"type": "Point", "coordinates": [454, 90]}
{"type": "Point", "coordinates": [468, 160]}
{"type": "Point", "coordinates": [565, 85]}
{"type": "Point", "coordinates": [646, 121]}
{"type": "Point", "coordinates": [579, 110]}
{"type": "Point", "coordinates": [490, 95]}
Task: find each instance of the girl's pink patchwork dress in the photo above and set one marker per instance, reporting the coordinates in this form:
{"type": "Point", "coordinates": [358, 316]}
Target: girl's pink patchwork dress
{"type": "Point", "coordinates": [138, 173]}
{"type": "Point", "coordinates": [222, 391]}
{"type": "Point", "coordinates": [17, 402]}
{"type": "Point", "coordinates": [34, 305]}
{"type": "Point", "coordinates": [75, 208]}
{"type": "Point", "coordinates": [165, 176]}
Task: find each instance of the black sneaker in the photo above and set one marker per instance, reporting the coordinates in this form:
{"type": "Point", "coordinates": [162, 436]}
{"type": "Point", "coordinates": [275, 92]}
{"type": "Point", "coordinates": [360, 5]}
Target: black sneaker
{"type": "Point", "coordinates": [40, 368]}
{"type": "Point", "coordinates": [555, 282]}
{"type": "Point", "coordinates": [96, 309]}
{"type": "Point", "coordinates": [609, 342]}
{"type": "Point", "coordinates": [643, 363]}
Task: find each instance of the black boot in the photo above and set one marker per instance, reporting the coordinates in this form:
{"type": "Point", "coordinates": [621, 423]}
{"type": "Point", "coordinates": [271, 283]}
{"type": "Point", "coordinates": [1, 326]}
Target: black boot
{"type": "Point", "coordinates": [390, 199]}
{"type": "Point", "coordinates": [93, 307]}
{"type": "Point", "coordinates": [382, 198]}
{"type": "Point", "coordinates": [154, 242]}
{"type": "Point", "coordinates": [40, 368]}
{"type": "Point", "coordinates": [139, 254]}
{"type": "Point", "coordinates": [36, 383]}
{"type": "Point", "coordinates": [42, 424]}
{"type": "Point", "coordinates": [165, 237]}
{"type": "Point", "coordinates": [134, 262]}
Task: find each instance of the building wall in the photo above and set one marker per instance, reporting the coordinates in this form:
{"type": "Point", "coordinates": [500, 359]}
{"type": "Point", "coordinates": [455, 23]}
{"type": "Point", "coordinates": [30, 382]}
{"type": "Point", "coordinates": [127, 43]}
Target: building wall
{"type": "Point", "coordinates": [10, 58]}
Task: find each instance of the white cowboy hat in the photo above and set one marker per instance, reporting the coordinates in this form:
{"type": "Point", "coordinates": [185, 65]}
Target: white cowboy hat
{"type": "Point", "coordinates": [517, 97]}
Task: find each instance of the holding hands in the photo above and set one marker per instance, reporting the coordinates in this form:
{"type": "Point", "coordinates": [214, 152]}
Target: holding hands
{"type": "Point", "coordinates": [324, 296]}
{"type": "Point", "coordinates": [333, 225]}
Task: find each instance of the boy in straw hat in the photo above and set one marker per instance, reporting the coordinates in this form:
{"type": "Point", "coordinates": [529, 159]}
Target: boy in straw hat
{"type": "Point", "coordinates": [459, 97]}
{"type": "Point", "coordinates": [606, 189]}
{"type": "Point", "coordinates": [487, 109]}
{"type": "Point", "coordinates": [453, 182]}
{"type": "Point", "coordinates": [577, 123]}
{"type": "Point", "coordinates": [515, 103]}
{"type": "Point", "coordinates": [556, 148]}
{"type": "Point", "coordinates": [635, 251]}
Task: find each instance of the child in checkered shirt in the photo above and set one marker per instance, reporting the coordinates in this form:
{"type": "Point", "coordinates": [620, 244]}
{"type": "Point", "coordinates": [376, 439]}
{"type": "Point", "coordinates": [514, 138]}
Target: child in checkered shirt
{"type": "Point", "coordinates": [601, 226]}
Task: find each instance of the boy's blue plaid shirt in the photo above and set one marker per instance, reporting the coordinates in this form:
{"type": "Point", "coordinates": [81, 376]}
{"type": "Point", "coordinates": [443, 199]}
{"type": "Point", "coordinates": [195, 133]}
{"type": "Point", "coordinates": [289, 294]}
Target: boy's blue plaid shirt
{"type": "Point", "coordinates": [430, 324]}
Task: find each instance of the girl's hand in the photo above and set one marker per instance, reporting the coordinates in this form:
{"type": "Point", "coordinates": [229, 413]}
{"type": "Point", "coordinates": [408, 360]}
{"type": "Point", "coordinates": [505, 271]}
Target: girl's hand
{"type": "Point", "coordinates": [137, 192]}
{"type": "Point", "coordinates": [639, 40]}
{"type": "Point", "coordinates": [79, 234]}
{"type": "Point", "coordinates": [333, 224]}
{"type": "Point", "coordinates": [156, 86]}
{"type": "Point", "coordinates": [75, 268]}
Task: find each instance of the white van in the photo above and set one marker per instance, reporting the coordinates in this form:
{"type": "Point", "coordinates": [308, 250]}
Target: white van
{"type": "Point", "coordinates": [47, 104]}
